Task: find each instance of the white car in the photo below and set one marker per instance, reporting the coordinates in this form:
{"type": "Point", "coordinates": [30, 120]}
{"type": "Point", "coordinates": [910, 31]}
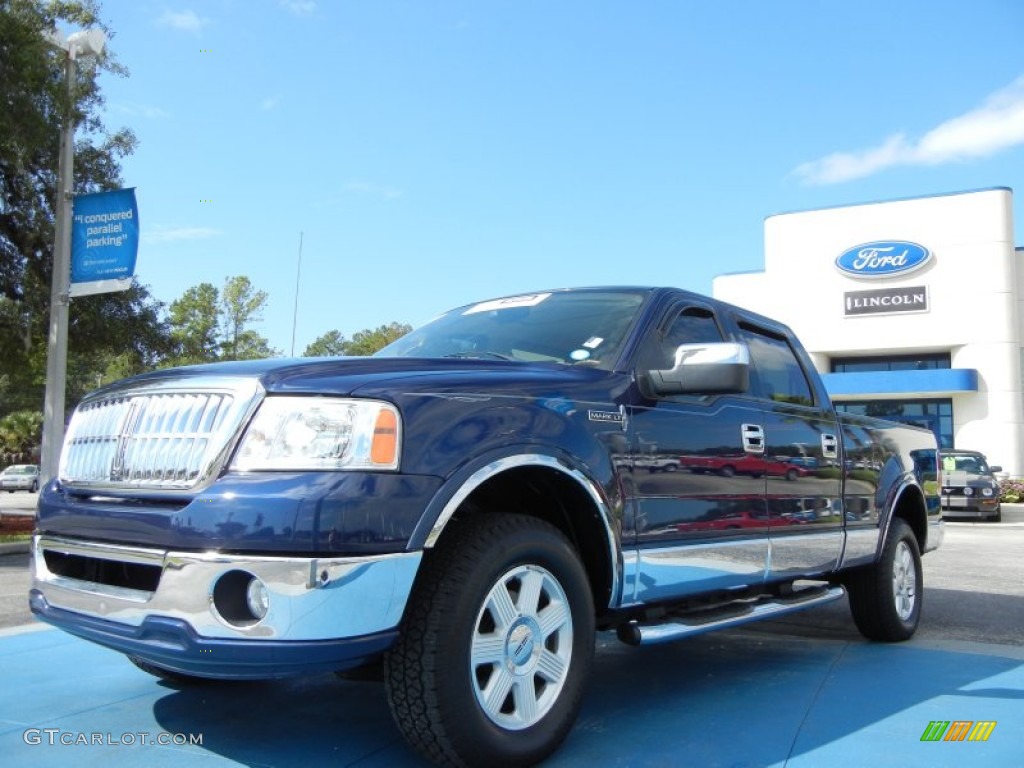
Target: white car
{"type": "Point", "coordinates": [20, 477]}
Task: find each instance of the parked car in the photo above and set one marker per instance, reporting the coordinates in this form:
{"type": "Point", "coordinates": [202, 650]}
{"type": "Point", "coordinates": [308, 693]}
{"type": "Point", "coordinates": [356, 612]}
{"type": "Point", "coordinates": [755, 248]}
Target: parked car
{"type": "Point", "coordinates": [657, 463]}
{"type": "Point", "coordinates": [20, 477]}
{"type": "Point", "coordinates": [969, 486]}
{"type": "Point", "coordinates": [745, 464]}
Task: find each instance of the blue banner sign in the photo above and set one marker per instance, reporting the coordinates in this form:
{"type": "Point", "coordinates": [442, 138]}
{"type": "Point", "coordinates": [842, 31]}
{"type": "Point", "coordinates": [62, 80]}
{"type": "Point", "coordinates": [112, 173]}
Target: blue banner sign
{"type": "Point", "coordinates": [887, 258]}
{"type": "Point", "coordinates": [104, 242]}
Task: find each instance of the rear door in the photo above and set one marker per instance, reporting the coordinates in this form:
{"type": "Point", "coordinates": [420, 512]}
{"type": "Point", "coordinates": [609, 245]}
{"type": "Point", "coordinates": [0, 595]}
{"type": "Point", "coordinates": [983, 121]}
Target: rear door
{"type": "Point", "coordinates": [801, 457]}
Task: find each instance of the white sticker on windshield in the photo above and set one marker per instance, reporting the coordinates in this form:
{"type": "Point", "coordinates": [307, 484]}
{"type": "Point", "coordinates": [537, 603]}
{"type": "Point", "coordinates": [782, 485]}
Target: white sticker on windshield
{"type": "Point", "coordinates": [593, 342]}
{"type": "Point", "coordinates": [579, 354]}
{"type": "Point", "coordinates": [530, 300]}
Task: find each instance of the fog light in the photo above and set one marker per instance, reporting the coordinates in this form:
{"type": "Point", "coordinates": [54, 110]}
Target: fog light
{"type": "Point", "coordinates": [240, 598]}
{"type": "Point", "coordinates": [257, 598]}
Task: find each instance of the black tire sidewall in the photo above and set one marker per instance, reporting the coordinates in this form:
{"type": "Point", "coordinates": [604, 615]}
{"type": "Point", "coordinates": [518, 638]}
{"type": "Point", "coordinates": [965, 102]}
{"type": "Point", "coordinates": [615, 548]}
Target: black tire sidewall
{"type": "Point", "coordinates": [893, 625]}
{"type": "Point", "coordinates": [474, 735]}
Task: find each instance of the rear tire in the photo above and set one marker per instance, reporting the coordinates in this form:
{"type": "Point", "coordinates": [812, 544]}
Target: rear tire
{"type": "Point", "coordinates": [495, 646]}
{"type": "Point", "coordinates": [885, 598]}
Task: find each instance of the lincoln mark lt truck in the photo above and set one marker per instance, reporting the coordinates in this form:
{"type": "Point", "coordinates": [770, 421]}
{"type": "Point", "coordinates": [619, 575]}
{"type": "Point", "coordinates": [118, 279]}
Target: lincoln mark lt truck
{"type": "Point", "coordinates": [469, 506]}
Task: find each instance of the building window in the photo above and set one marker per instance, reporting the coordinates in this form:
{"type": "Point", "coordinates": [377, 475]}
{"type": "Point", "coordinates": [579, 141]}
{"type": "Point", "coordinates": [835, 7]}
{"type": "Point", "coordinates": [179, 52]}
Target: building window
{"type": "Point", "coordinates": [894, 363]}
{"type": "Point", "coordinates": [936, 415]}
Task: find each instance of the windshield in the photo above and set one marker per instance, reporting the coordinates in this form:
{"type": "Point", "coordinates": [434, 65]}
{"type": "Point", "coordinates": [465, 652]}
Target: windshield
{"type": "Point", "coordinates": [573, 327]}
{"type": "Point", "coordinates": [20, 470]}
{"type": "Point", "coordinates": [973, 464]}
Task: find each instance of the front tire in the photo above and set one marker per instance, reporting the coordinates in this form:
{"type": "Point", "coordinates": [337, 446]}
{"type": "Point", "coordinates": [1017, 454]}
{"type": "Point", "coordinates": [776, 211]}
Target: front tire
{"type": "Point", "coordinates": [885, 598]}
{"type": "Point", "coordinates": [495, 646]}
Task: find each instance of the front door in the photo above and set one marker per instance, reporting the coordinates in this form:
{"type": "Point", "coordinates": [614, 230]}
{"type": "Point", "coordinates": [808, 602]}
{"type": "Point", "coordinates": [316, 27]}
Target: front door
{"type": "Point", "coordinates": [696, 480]}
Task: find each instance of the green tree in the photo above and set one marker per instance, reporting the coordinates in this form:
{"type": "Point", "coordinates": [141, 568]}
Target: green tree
{"type": "Point", "coordinates": [368, 341]}
{"type": "Point", "coordinates": [362, 343]}
{"type": "Point", "coordinates": [331, 344]}
{"type": "Point", "coordinates": [35, 103]}
{"type": "Point", "coordinates": [194, 321]}
{"type": "Point", "coordinates": [241, 305]}
{"type": "Point", "coordinates": [207, 324]}
{"type": "Point", "coordinates": [20, 433]}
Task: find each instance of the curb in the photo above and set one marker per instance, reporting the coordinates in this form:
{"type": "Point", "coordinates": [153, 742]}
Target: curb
{"type": "Point", "coordinates": [15, 547]}
{"type": "Point", "coordinates": [1012, 513]}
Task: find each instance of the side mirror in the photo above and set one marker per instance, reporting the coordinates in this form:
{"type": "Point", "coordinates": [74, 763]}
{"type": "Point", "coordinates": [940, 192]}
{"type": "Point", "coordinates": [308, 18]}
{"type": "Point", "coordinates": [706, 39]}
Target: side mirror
{"type": "Point", "coordinates": [995, 469]}
{"type": "Point", "coordinates": [704, 369]}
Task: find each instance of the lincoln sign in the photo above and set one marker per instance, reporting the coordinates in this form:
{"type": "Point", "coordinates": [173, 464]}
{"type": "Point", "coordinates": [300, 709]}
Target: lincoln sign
{"type": "Point", "coordinates": [886, 301]}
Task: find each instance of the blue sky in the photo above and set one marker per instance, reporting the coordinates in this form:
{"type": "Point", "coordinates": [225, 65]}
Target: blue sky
{"type": "Point", "coordinates": [435, 153]}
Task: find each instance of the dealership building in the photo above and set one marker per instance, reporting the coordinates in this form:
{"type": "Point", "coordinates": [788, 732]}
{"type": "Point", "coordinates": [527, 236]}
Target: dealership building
{"type": "Point", "coordinates": [911, 309]}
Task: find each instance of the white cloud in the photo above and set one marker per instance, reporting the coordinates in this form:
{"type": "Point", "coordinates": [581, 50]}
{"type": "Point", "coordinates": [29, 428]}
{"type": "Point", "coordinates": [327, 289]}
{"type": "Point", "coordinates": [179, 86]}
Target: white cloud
{"type": "Point", "coordinates": [996, 125]}
{"type": "Point", "coordinates": [377, 190]}
{"type": "Point", "coordinates": [186, 21]}
{"type": "Point", "coordinates": [159, 235]}
{"type": "Point", "coordinates": [299, 7]}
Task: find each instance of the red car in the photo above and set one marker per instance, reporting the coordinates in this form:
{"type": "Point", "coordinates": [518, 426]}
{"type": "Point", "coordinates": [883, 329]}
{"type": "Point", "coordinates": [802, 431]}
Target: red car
{"type": "Point", "coordinates": [744, 464]}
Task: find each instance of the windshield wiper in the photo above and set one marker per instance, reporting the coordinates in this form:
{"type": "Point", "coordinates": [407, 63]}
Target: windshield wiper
{"type": "Point", "coordinates": [481, 355]}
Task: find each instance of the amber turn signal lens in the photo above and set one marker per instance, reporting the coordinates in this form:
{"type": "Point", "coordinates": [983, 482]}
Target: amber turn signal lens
{"type": "Point", "coordinates": [384, 449]}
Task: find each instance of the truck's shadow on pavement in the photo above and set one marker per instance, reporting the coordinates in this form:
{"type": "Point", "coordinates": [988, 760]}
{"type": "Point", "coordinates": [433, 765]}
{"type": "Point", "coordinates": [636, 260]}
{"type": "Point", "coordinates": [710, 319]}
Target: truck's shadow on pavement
{"type": "Point", "coordinates": [745, 697]}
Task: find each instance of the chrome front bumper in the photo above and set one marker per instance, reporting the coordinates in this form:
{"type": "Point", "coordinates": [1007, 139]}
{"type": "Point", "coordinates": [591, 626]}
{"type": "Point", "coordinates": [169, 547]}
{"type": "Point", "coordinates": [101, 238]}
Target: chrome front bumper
{"type": "Point", "coordinates": [310, 599]}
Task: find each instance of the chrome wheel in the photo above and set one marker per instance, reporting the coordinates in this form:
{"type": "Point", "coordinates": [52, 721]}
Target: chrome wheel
{"type": "Point", "coordinates": [904, 581]}
{"type": "Point", "coordinates": [521, 648]}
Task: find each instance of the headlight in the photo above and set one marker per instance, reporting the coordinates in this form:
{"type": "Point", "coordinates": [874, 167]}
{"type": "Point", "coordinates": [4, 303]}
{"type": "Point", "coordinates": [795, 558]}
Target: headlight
{"type": "Point", "coordinates": [321, 433]}
{"type": "Point", "coordinates": [968, 491]}
{"type": "Point", "coordinates": [987, 492]}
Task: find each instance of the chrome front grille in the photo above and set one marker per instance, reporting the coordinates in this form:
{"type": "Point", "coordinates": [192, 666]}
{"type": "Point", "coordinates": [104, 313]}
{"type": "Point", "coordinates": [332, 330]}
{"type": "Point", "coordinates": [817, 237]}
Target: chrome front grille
{"type": "Point", "coordinates": [158, 440]}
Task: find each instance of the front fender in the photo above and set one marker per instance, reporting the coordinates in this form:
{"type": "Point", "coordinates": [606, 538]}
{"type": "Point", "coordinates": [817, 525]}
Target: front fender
{"type": "Point", "coordinates": [604, 493]}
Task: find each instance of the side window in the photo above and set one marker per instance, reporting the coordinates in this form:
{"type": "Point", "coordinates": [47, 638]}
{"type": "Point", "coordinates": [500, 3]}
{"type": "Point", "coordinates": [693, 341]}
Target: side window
{"type": "Point", "coordinates": [693, 325]}
{"type": "Point", "coordinates": [776, 373]}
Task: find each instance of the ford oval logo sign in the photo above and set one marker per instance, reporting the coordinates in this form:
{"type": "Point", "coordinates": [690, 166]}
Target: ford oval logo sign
{"type": "Point", "coordinates": [886, 258]}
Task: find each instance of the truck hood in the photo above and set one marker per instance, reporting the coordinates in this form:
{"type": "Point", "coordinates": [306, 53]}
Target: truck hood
{"type": "Point", "coordinates": [347, 376]}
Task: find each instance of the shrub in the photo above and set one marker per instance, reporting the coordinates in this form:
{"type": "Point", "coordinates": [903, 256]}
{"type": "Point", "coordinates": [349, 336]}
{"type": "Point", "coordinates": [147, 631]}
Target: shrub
{"type": "Point", "coordinates": [1011, 491]}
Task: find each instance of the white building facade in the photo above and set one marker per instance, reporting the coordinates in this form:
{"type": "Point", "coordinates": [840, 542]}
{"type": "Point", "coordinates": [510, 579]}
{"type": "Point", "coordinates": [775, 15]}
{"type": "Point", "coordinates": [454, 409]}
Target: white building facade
{"type": "Point", "coordinates": [911, 310]}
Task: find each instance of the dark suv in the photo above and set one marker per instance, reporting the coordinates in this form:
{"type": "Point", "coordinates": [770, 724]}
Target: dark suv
{"type": "Point", "coordinates": [969, 488]}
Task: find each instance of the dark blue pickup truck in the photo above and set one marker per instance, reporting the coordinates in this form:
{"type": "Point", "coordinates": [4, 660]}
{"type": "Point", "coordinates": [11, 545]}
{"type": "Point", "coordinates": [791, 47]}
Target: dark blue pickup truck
{"type": "Point", "coordinates": [470, 505]}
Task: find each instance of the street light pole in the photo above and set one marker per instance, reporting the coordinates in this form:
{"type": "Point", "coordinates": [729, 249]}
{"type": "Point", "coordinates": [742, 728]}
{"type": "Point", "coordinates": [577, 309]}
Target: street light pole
{"type": "Point", "coordinates": [87, 43]}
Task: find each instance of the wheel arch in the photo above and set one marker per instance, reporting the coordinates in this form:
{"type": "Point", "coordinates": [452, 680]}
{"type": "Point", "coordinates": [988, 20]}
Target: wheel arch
{"type": "Point", "coordinates": [546, 487]}
{"type": "Point", "coordinates": [909, 505]}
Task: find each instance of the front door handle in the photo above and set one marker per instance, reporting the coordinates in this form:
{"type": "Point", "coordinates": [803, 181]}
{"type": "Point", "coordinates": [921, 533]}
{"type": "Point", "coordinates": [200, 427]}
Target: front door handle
{"type": "Point", "coordinates": [829, 447]}
{"type": "Point", "coordinates": [753, 438]}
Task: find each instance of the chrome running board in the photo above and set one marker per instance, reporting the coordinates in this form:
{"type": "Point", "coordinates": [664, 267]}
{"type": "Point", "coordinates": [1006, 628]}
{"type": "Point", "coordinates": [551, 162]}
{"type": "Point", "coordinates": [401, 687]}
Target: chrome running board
{"type": "Point", "coordinates": [728, 615]}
